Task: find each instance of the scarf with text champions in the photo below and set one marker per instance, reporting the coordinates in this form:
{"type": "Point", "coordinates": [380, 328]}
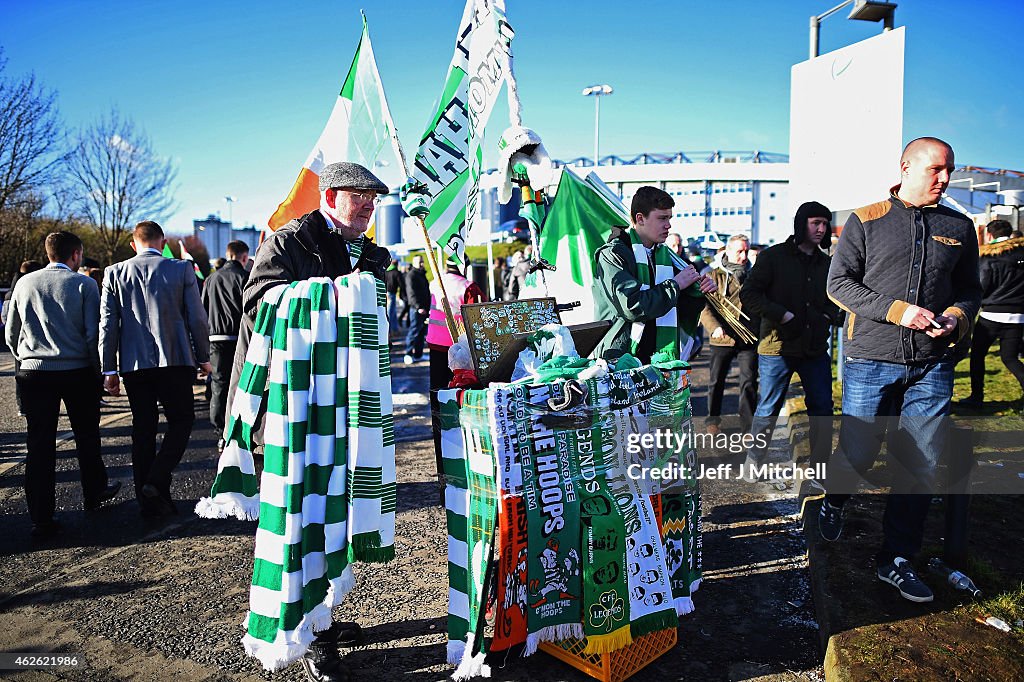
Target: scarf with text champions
{"type": "Point", "coordinates": [326, 497]}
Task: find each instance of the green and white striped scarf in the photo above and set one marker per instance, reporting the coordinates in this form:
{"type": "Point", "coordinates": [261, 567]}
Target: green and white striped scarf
{"type": "Point", "coordinates": [471, 508]}
{"type": "Point", "coordinates": [318, 364]}
{"type": "Point", "coordinates": [355, 250]}
{"type": "Point", "coordinates": [672, 335]}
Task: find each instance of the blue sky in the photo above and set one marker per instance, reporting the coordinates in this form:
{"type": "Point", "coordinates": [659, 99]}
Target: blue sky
{"type": "Point", "coordinates": [237, 93]}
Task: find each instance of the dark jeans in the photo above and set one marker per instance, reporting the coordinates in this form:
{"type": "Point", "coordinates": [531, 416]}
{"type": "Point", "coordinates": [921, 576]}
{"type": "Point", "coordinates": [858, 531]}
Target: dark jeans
{"type": "Point", "coordinates": [816, 376]}
{"type": "Point", "coordinates": [171, 387]}
{"type": "Point", "coordinates": [417, 335]}
{"type": "Point", "coordinates": [222, 354]}
{"type": "Point", "coordinates": [41, 394]}
{"type": "Point", "coordinates": [440, 377]}
{"type": "Point", "coordinates": [907, 404]}
{"type": "Point", "coordinates": [721, 361]}
{"type": "Point", "coordinates": [985, 334]}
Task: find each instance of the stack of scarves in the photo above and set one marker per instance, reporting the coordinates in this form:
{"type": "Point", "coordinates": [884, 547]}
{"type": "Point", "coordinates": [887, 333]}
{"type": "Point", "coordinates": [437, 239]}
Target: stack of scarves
{"type": "Point", "coordinates": [584, 550]}
{"type": "Point", "coordinates": [317, 373]}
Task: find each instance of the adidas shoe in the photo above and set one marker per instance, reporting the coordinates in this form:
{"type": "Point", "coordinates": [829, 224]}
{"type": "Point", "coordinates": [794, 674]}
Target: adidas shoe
{"type": "Point", "coordinates": [902, 576]}
{"type": "Point", "coordinates": [830, 521]}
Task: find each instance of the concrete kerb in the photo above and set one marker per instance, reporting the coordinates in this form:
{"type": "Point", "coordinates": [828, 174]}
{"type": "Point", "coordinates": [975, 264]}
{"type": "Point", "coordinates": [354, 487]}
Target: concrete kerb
{"type": "Point", "coordinates": [827, 610]}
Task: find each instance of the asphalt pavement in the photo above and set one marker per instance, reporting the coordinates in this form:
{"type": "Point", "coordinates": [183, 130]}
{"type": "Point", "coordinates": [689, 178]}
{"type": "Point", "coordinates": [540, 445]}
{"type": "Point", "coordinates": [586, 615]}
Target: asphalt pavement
{"type": "Point", "coordinates": [165, 600]}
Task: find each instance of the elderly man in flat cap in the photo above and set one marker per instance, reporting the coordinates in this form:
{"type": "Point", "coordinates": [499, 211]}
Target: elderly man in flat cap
{"type": "Point", "coordinates": [327, 242]}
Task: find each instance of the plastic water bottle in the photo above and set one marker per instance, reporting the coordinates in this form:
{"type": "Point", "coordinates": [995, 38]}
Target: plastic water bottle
{"type": "Point", "coordinates": [955, 578]}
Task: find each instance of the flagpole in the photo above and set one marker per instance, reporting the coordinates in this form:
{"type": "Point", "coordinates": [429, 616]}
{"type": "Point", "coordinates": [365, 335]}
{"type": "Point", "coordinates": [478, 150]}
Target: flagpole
{"type": "Point", "coordinates": [454, 328]}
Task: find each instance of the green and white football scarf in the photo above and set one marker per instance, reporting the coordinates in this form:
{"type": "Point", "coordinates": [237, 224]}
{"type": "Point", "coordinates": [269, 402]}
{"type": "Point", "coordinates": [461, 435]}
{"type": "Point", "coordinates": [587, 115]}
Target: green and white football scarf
{"type": "Point", "coordinates": [550, 474]}
{"type": "Point", "coordinates": [318, 364]}
{"type": "Point", "coordinates": [672, 335]}
{"type": "Point", "coordinates": [681, 502]}
{"type": "Point", "coordinates": [470, 504]}
{"type": "Point", "coordinates": [355, 250]}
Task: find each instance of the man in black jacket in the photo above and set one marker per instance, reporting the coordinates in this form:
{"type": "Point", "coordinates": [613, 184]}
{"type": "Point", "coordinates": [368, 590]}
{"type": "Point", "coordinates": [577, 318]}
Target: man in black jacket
{"type": "Point", "coordinates": [417, 288]}
{"type": "Point", "coordinates": [394, 283]}
{"type": "Point", "coordinates": [1002, 308]}
{"type": "Point", "coordinates": [222, 298]}
{"type": "Point", "coordinates": [328, 242]}
{"type": "Point", "coordinates": [786, 290]}
{"type": "Point", "coordinates": [906, 271]}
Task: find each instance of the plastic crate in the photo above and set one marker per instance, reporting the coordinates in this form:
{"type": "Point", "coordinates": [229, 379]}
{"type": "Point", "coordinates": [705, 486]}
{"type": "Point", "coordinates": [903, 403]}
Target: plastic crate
{"type": "Point", "coordinates": [618, 665]}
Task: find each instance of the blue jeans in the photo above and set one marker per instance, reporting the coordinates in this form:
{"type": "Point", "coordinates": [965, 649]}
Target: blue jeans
{"type": "Point", "coordinates": [816, 376]}
{"type": "Point", "coordinates": [906, 406]}
{"type": "Point", "coordinates": [417, 335]}
{"type": "Point", "coordinates": [392, 311]}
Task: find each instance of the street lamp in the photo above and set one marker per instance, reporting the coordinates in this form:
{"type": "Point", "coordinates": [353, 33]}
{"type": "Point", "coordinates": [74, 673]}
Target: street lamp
{"type": "Point", "coordinates": [230, 200]}
{"type": "Point", "coordinates": [597, 91]}
{"type": "Point", "coordinates": [864, 10]}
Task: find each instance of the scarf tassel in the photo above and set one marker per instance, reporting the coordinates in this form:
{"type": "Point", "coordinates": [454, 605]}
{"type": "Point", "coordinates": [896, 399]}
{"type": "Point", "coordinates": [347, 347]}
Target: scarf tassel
{"type": "Point", "coordinates": [228, 505]}
{"type": "Point", "coordinates": [552, 633]}
{"type": "Point", "coordinates": [470, 666]}
{"type": "Point", "coordinates": [605, 644]}
{"type": "Point", "coordinates": [684, 605]}
{"type": "Point", "coordinates": [655, 622]}
{"type": "Point", "coordinates": [366, 547]}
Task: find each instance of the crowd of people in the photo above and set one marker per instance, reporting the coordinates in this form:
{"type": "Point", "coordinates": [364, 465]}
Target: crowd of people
{"type": "Point", "coordinates": [904, 280]}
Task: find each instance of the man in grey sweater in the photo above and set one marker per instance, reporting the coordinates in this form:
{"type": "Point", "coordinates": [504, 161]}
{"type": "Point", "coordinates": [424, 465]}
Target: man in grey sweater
{"type": "Point", "coordinates": [52, 329]}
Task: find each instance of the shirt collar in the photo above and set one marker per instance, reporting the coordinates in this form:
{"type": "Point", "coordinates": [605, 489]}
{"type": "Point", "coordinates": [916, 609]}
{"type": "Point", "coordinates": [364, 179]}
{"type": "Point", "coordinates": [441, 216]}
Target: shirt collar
{"type": "Point", "coordinates": [893, 192]}
{"type": "Point", "coordinates": [331, 226]}
{"type": "Point", "coordinates": [998, 239]}
{"type": "Point", "coordinates": [149, 249]}
{"type": "Point", "coordinates": [58, 266]}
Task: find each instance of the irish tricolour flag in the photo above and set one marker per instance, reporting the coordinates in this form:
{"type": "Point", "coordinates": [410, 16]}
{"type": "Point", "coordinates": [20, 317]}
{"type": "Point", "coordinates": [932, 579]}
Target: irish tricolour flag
{"type": "Point", "coordinates": [359, 130]}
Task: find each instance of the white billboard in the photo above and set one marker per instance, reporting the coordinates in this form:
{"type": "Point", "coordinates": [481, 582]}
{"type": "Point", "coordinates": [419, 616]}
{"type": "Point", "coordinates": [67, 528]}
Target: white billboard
{"type": "Point", "coordinates": [846, 124]}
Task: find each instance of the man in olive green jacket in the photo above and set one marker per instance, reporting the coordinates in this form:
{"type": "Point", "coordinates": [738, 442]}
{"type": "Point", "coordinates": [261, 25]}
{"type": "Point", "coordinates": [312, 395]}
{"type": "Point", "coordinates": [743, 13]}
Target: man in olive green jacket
{"type": "Point", "coordinates": [786, 289]}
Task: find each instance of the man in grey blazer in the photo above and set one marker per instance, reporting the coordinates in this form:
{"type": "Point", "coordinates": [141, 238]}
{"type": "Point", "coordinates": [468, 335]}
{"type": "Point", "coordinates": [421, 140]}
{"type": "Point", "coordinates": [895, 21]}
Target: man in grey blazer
{"type": "Point", "coordinates": [154, 331]}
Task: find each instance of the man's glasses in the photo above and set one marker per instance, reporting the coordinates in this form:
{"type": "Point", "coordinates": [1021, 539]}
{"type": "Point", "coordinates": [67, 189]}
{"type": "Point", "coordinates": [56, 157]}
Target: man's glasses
{"type": "Point", "coordinates": [365, 197]}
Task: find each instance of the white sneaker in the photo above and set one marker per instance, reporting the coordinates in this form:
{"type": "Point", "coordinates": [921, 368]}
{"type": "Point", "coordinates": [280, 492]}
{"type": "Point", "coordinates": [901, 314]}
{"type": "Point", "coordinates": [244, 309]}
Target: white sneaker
{"type": "Point", "coordinates": [408, 359]}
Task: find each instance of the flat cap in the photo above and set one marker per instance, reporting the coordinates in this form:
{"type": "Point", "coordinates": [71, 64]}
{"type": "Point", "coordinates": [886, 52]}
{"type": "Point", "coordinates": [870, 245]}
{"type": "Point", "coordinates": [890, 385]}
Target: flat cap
{"type": "Point", "coordinates": [350, 176]}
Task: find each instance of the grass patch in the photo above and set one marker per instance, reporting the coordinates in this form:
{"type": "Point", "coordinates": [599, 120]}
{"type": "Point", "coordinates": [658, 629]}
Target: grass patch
{"type": "Point", "coordinates": [1002, 392]}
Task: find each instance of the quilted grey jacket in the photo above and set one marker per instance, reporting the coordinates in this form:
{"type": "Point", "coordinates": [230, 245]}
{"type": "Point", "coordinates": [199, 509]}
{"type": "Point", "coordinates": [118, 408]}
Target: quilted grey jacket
{"type": "Point", "coordinates": [891, 256]}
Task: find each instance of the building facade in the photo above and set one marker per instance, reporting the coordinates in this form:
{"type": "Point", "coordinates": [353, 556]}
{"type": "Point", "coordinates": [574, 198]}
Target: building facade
{"type": "Point", "coordinates": [216, 233]}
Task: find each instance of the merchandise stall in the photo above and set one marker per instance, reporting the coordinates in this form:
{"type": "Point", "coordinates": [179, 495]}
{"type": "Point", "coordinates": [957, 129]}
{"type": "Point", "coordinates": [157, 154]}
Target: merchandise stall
{"type": "Point", "coordinates": [573, 515]}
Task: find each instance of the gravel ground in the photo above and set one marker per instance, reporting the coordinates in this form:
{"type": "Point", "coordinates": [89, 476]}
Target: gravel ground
{"type": "Point", "coordinates": [165, 601]}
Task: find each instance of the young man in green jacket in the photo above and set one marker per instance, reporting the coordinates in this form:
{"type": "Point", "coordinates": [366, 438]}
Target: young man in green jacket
{"type": "Point", "coordinates": [644, 289]}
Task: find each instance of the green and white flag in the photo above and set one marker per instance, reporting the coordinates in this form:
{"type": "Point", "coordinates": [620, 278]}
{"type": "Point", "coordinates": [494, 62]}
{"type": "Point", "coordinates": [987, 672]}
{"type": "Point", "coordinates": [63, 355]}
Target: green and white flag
{"type": "Point", "coordinates": [578, 221]}
{"type": "Point", "coordinates": [450, 156]}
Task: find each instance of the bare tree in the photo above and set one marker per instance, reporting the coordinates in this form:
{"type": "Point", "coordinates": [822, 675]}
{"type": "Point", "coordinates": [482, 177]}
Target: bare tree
{"type": "Point", "coordinates": [118, 179]}
{"type": "Point", "coordinates": [30, 137]}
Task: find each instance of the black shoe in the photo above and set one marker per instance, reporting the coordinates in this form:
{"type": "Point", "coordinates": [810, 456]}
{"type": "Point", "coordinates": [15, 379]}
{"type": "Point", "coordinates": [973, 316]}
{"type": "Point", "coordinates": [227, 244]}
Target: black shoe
{"type": "Point", "coordinates": [343, 634]}
{"type": "Point", "coordinates": [901, 575]}
{"type": "Point", "coordinates": [323, 664]}
{"type": "Point", "coordinates": [971, 403]}
{"type": "Point", "coordinates": [830, 521]}
{"type": "Point", "coordinates": [43, 531]}
{"type": "Point", "coordinates": [156, 502]}
{"type": "Point", "coordinates": [108, 493]}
